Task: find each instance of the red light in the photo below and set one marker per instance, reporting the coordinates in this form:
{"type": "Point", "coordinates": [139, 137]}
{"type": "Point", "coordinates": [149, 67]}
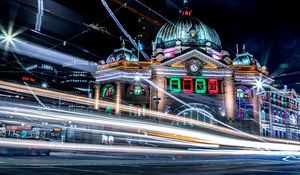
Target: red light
{"type": "Point", "coordinates": [186, 13]}
{"type": "Point", "coordinates": [188, 85]}
{"type": "Point", "coordinates": [213, 86]}
{"type": "Point", "coordinates": [32, 80]}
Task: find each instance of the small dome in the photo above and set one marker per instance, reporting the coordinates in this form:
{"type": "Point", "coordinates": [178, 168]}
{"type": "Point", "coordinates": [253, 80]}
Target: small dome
{"type": "Point", "coordinates": [189, 31]}
{"type": "Point", "coordinates": [121, 54]}
{"type": "Point", "coordinates": [245, 59]}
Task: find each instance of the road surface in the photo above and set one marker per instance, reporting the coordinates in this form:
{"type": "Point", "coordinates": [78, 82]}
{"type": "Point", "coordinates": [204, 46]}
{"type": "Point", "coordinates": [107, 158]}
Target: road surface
{"type": "Point", "coordinates": [113, 164]}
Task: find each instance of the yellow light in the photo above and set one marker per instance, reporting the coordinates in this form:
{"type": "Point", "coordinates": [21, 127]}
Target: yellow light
{"type": "Point", "coordinates": [193, 35]}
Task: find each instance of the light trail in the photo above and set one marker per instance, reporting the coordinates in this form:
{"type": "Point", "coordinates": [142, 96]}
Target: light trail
{"type": "Point", "coordinates": [150, 127]}
{"type": "Point", "coordinates": [46, 54]}
{"type": "Point", "coordinates": [146, 137]}
{"type": "Point", "coordinates": [123, 30]}
{"type": "Point", "coordinates": [201, 111]}
{"type": "Point", "coordinates": [39, 15]}
{"type": "Point", "coordinates": [54, 146]}
{"type": "Point", "coordinates": [86, 101]}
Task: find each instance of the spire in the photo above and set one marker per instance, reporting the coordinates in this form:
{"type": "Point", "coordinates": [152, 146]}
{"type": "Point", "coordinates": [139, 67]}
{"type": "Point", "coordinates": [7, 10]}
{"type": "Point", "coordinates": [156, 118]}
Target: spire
{"type": "Point", "coordinates": [244, 48]}
{"type": "Point", "coordinates": [122, 42]}
{"type": "Point", "coordinates": [186, 11]}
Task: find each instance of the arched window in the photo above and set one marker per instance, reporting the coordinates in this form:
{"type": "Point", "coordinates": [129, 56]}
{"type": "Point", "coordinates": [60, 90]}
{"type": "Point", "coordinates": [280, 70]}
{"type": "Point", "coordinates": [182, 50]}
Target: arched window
{"type": "Point", "coordinates": [195, 111]}
{"type": "Point", "coordinates": [137, 90]}
{"type": "Point", "coordinates": [108, 90]}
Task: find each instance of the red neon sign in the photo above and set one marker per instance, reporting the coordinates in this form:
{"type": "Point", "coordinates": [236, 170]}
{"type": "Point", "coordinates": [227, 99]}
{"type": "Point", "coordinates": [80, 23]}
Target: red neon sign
{"type": "Point", "coordinates": [213, 86]}
{"type": "Point", "coordinates": [28, 79]}
{"type": "Point", "coordinates": [188, 85]}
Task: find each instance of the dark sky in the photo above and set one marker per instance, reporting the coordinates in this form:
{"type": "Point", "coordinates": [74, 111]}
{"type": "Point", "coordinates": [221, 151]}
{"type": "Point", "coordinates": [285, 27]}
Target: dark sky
{"type": "Point", "coordinates": [270, 29]}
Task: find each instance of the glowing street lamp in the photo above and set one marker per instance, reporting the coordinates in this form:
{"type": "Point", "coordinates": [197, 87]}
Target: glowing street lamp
{"type": "Point", "coordinates": [44, 85]}
{"type": "Point", "coordinates": [259, 84]}
{"type": "Point", "coordinates": [8, 38]}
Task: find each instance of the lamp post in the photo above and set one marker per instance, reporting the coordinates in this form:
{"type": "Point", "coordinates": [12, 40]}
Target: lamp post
{"type": "Point", "coordinates": [156, 100]}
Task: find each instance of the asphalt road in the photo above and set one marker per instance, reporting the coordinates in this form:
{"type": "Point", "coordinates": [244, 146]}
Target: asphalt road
{"type": "Point", "coordinates": [112, 164]}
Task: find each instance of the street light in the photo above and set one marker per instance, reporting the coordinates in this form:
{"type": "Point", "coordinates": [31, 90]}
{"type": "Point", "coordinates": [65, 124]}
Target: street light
{"type": "Point", "coordinates": [259, 84]}
{"type": "Point", "coordinates": [8, 38]}
{"type": "Point", "coordinates": [44, 85]}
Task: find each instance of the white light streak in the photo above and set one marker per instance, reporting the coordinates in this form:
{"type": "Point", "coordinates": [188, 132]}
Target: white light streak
{"type": "Point", "coordinates": [39, 15]}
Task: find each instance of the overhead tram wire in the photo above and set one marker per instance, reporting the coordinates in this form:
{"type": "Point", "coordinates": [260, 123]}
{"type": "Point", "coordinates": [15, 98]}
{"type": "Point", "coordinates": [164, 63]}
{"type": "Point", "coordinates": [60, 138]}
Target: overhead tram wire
{"type": "Point", "coordinates": [74, 36]}
{"type": "Point", "coordinates": [150, 9]}
{"type": "Point", "coordinates": [123, 30]}
{"type": "Point", "coordinates": [84, 31]}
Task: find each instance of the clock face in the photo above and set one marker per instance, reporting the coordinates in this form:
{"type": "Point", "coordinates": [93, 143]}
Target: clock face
{"type": "Point", "coordinates": [194, 67]}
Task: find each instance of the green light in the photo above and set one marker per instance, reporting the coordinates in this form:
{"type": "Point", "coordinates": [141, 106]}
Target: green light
{"type": "Point", "coordinates": [284, 66]}
{"type": "Point", "coordinates": [137, 90]}
{"type": "Point", "coordinates": [175, 85]}
{"type": "Point", "coordinates": [200, 86]}
{"type": "Point", "coordinates": [108, 109]}
{"type": "Point", "coordinates": [108, 91]}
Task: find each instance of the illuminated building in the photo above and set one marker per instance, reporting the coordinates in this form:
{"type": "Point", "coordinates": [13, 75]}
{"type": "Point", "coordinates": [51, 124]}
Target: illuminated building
{"type": "Point", "coordinates": [200, 80]}
{"type": "Point", "coordinates": [78, 82]}
{"type": "Point", "coordinates": [43, 75]}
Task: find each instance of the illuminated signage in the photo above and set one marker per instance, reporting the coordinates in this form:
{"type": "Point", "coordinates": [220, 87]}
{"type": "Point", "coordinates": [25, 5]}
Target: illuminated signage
{"type": "Point", "coordinates": [216, 55]}
{"type": "Point", "coordinates": [18, 128]}
{"type": "Point", "coordinates": [169, 53]}
{"type": "Point", "coordinates": [108, 91]}
{"type": "Point", "coordinates": [194, 85]}
{"type": "Point", "coordinates": [57, 129]}
{"type": "Point", "coordinates": [29, 79]}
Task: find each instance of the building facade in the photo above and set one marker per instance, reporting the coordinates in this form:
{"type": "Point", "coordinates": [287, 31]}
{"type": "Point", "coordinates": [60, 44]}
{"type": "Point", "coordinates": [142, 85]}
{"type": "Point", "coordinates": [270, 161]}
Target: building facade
{"type": "Point", "coordinates": [78, 82]}
{"type": "Point", "coordinates": [192, 77]}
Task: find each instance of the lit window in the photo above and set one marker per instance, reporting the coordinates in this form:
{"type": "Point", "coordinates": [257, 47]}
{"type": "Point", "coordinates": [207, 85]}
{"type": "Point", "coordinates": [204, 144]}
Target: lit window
{"type": "Point", "coordinates": [175, 85]}
{"type": "Point", "coordinates": [200, 86]}
{"type": "Point", "coordinates": [137, 90]}
{"type": "Point", "coordinates": [188, 85]}
{"type": "Point", "coordinates": [213, 86]}
{"type": "Point", "coordinates": [108, 91]}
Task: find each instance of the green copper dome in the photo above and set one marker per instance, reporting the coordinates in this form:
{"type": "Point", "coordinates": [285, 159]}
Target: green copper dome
{"type": "Point", "coordinates": [120, 54]}
{"type": "Point", "coordinates": [245, 59]}
{"type": "Point", "coordinates": [190, 31]}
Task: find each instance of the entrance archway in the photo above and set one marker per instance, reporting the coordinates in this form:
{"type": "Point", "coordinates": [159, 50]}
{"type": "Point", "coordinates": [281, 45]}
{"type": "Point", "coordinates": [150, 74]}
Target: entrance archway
{"type": "Point", "coordinates": [195, 111]}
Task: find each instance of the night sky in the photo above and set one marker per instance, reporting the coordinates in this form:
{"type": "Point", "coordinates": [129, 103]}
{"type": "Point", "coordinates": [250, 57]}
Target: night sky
{"type": "Point", "coordinates": [270, 29]}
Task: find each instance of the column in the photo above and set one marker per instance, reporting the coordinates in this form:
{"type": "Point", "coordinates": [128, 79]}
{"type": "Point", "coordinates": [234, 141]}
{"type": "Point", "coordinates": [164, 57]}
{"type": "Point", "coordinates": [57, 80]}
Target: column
{"type": "Point", "coordinates": [229, 91]}
{"type": "Point", "coordinates": [161, 83]}
{"type": "Point", "coordinates": [256, 112]}
{"type": "Point", "coordinates": [118, 99]}
{"type": "Point", "coordinates": [97, 92]}
{"type": "Point", "coordinates": [271, 117]}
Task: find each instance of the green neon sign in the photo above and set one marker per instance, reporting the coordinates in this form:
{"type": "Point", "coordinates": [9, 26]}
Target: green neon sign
{"type": "Point", "coordinates": [200, 86]}
{"type": "Point", "coordinates": [137, 90]}
{"type": "Point", "coordinates": [108, 91]}
{"type": "Point", "coordinates": [108, 109]}
{"type": "Point", "coordinates": [175, 85]}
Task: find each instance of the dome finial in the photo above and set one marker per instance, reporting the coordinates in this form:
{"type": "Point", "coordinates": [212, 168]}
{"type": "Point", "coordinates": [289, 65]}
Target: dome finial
{"type": "Point", "coordinates": [244, 48]}
{"type": "Point", "coordinates": [186, 11]}
{"type": "Point", "coordinates": [122, 42]}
